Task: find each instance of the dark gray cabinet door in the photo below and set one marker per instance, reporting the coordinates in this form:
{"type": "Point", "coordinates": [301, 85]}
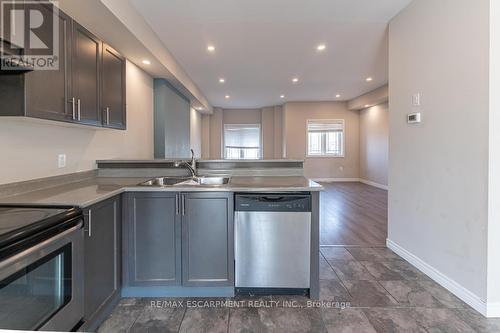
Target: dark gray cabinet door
{"type": "Point", "coordinates": [113, 89]}
{"type": "Point", "coordinates": [86, 66]}
{"type": "Point", "coordinates": [207, 239]}
{"type": "Point", "coordinates": [47, 90]}
{"type": "Point", "coordinates": [154, 244]}
{"type": "Point", "coordinates": [102, 254]}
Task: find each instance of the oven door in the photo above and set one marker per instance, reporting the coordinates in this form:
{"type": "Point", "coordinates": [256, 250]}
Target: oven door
{"type": "Point", "coordinates": [41, 288]}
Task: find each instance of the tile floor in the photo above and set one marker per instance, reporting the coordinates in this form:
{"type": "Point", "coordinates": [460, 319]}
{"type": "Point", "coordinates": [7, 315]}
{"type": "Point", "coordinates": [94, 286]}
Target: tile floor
{"type": "Point", "coordinates": [362, 290]}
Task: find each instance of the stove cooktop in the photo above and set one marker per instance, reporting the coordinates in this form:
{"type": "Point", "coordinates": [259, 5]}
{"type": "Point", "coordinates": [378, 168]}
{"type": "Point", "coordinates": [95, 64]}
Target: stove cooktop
{"type": "Point", "coordinates": [17, 222]}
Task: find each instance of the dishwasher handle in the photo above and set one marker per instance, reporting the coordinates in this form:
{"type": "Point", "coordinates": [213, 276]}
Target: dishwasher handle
{"type": "Point", "coordinates": [273, 202]}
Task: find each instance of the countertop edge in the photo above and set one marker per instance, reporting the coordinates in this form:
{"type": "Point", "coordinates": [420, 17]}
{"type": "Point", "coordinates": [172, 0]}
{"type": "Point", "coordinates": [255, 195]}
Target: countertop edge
{"type": "Point", "coordinates": [173, 188]}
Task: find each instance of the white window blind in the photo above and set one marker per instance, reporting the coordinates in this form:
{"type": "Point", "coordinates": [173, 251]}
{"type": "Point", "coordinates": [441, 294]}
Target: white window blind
{"type": "Point", "coordinates": [242, 142]}
{"type": "Point", "coordinates": [325, 138]}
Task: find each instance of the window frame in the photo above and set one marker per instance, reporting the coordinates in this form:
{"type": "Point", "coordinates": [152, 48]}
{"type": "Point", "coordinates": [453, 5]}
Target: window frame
{"type": "Point", "coordinates": [224, 156]}
{"type": "Point", "coordinates": [324, 154]}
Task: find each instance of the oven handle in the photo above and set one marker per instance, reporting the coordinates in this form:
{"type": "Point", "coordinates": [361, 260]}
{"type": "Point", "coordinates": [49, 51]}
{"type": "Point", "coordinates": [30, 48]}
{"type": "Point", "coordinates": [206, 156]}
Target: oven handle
{"type": "Point", "coordinates": [23, 259]}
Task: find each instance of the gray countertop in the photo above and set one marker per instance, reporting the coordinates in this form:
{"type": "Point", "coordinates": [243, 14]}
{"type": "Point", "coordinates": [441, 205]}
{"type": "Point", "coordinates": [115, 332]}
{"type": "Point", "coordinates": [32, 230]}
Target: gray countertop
{"type": "Point", "coordinates": [88, 192]}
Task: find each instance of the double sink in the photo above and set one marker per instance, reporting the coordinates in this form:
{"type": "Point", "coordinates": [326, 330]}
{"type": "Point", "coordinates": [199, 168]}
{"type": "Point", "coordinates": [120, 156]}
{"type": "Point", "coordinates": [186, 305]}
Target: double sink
{"type": "Point", "coordinates": [171, 181]}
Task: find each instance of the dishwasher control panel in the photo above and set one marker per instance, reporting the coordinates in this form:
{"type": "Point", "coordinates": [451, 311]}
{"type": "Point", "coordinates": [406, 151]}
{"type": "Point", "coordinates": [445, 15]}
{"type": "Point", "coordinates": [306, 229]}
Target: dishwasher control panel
{"type": "Point", "coordinates": [273, 202]}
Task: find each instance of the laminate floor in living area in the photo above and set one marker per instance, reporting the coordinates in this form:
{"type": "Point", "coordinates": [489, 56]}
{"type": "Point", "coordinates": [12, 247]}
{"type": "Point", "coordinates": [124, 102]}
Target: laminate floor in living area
{"type": "Point", "coordinates": [363, 290]}
{"type": "Point", "coordinates": [353, 214]}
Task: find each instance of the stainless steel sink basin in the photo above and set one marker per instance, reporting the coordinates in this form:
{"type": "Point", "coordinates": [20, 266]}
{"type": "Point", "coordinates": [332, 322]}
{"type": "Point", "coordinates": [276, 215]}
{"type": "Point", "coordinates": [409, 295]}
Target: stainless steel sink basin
{"type": "Point", "coordinates": [212, 180]}
{"type": "Point", "coordinates": [164, 181]}
{"type": "Point", "coordinates": [170, 181]}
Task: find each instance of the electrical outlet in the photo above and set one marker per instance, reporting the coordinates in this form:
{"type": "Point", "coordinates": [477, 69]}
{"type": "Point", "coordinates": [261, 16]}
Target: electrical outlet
{"type": "Point", "coordinates": [61, 160]}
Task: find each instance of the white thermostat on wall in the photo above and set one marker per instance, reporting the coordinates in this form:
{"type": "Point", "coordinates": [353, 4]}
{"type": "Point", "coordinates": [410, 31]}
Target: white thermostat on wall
{"type": "Point", "coordinates": [414, 118]}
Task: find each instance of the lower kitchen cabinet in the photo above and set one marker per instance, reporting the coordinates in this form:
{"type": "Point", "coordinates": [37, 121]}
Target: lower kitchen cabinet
{"type": "Point", "coordinates": [102, 246]}
{"type": "Point", "coordinates": [153, 243]}
{"type": "Point", "coordinates": [207, 239]}
{"type": "Point", "coordinates": [179, 239]}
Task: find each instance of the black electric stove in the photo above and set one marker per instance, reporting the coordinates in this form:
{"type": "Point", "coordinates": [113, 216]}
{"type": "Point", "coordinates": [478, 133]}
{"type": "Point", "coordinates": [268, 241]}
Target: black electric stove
{"type": "Point", "coordinates": [23, 225]}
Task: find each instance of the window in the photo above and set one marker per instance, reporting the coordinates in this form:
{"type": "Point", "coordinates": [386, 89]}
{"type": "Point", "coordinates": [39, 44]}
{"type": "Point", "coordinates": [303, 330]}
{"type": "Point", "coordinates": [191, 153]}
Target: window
{"type": "Point", "coordinates": [325, 138]}
{"type": "Point", "coordinates": [242, 142]}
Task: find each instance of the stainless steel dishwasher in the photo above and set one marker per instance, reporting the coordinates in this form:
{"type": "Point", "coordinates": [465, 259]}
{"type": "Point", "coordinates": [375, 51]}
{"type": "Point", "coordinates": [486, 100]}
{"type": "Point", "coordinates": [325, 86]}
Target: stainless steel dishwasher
{"type": "Point", "coordinates": [272, 242]}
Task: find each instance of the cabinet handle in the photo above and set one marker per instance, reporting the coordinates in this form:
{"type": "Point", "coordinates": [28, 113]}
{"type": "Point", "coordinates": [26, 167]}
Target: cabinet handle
{"type": "Point", "coordinates": [183, 205]}
{"type": "Point", "coordinates": [107, 115]}
{"type": "Point", "coordinates": [79, 109]}
{"type": "Point", "coordinates": [73, 110]}
{"type": "Point", "coordinates": [177, 204]}
{"type": "Point", "coordinates": [89, 229]}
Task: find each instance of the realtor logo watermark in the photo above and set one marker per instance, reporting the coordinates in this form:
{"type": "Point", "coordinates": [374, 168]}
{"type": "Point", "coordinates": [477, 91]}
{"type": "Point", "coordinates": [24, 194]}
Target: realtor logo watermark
{"type": "Point", "coordinates": [30, 35]}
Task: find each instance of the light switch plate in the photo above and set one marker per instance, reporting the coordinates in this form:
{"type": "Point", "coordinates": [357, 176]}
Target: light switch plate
{"type": "Point", "coordinates": [61, 160]}
{"type": "Point", "coordinates": [415, 99]}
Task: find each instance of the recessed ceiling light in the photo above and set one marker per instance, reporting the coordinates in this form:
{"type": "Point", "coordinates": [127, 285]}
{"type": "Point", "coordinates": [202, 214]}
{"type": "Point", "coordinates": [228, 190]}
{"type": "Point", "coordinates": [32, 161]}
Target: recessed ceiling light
{"type": "Point", "coordinates": [282, 96]}
{"type": "Point", "coordinates": [211, 48]}
{"type": "Point", "coordinates": [295, 80]}
{"type": "Point", "coordinates": [337, 96]}
{"type": "Point", "coordinates": [369, 79]}
{"type": "Point", "coordinates": [321, 47]}
{"type": "Point", "coordinates": [199, 108]}
{"type": "Point", "coordinates": [227, 97]}
{"type": "Point", "coordinates": [146, 62]}
{"type": "Point", "coordinates": [222, 80]}
{"type": "Point", "coordinates": [367, 105]}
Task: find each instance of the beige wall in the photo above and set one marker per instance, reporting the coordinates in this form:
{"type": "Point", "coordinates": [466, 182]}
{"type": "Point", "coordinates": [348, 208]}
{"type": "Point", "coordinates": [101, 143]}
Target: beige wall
{"type": "Point", "coordinates": [195, 132]}
{"type": "Point", "coordinates": [438, 170]}
{"type": "Point", "coordinates": [295, 120]}
{"type": "Point", "coordinates": [216, 128]}
{"type": "Point", "coordinates": [205, 136]}
{"type": "Point", "coordinates": [267, 133]}
{"type": "Point", "coordinates": [241, 116]}
{"type": "Point", "coordinates": [30, 149]}
{"type": "Point", "coordinates": [284, 135]}
{"type": "Point", "coordinates": [213, 128]}
{"type": "Point", "coordinates": [278, 132]}
{"type": "Point", "coordinates": [374, 144]}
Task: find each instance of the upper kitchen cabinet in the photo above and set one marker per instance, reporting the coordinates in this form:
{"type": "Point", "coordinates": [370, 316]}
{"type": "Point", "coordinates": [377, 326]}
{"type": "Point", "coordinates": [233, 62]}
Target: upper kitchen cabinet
{"type": "Point", "coordinates": [47, 90]}
{"type": "Point", "coordinates": [171, 122]}
{"type": "Point", "coordinates": [86, 71]}
{"type": "Point", "coordinates": [41, 93]}
{"type": "Point", "coordinates": [87, 87]}
{"type": "Point", "coordinates": [113, 88]}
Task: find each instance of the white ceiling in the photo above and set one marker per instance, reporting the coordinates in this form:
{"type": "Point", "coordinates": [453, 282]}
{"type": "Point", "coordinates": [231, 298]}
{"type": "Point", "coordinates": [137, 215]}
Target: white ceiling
{"type": "Point", "coordinates": [262, 44]}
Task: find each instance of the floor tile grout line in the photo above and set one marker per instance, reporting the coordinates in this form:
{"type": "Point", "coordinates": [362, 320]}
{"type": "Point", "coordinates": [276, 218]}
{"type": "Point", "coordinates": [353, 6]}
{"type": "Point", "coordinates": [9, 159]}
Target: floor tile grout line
{"type": "Point", "coordinates": [182, 320]}
{"type": "Point", "coordinates": [337, 275]}
{"type": "Point", "coordinates": [228, 319]}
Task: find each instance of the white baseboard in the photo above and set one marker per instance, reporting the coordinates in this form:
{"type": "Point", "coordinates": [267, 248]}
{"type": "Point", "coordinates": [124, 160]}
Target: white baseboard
{"type": "Point", "coordinates": [364, 181]}
{"type": "Point", "coordinates": [369, 182]}
{"type": "Point", "coordinates": [487, 310]}
{"type": "Point", "coordinates": [335, 180]}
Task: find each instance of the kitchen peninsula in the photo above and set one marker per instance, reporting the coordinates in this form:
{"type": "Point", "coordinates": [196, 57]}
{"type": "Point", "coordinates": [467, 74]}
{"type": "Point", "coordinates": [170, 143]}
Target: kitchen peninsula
{"type": "Point", "coordinates": [150, 240]}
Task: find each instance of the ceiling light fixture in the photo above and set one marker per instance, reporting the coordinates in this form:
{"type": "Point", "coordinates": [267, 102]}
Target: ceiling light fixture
{"type": "Point", "coordinates": [369, 79]}
{"type": "Point", "coordinates": [227, 97]}
{"type": "Point", "coordinates": [222, 80]}
{"type": "Point", "coordinates": [146, 62]}
{"type": "Point", "coordinates": [337, 96]}
{"type": "Point", "coordinates": [367, 105]}
{"type": "Point", "coordinates": [321, 47]}
{"type": "Point", "coordinates": [295, 80]}
{"type": "Point", "coordinates": [211, 48]}
{"type": "Point", "coordinates": [282, 96]}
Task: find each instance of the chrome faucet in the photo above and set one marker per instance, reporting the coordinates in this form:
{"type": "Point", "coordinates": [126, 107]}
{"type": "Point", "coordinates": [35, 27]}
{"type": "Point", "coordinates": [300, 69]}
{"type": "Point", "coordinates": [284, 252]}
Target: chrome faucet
{"type": "Point", "coordinates": [191, 165]}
